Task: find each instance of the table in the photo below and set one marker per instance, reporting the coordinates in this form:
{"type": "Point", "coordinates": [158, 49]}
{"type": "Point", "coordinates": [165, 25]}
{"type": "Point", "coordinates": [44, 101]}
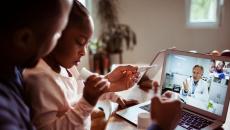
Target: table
{"type": "Point", "coordinates": [117, 123]}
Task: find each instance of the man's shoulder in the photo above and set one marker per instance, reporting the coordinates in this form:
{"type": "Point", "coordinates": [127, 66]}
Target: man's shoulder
{"type": "Point", "coordinates": [36, 76]}
{"type": "Point", "coordinates": [38, 82]}
{"type": "Point", "coordinates": [7, 96]}
{"type": "Point", "coordinates": [11, 109]}
{"type": "Point", "coordinates": [40, 72]}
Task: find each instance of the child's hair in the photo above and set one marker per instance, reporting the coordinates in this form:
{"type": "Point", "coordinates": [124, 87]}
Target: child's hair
{"type": "Point", "coordinates": [16, 14]}
{"type": "Point", "coordinates": [78, 14]}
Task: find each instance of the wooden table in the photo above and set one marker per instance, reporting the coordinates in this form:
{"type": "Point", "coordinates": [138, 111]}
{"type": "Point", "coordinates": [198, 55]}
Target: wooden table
{"type": "Point", "coordinates": [117, 123]}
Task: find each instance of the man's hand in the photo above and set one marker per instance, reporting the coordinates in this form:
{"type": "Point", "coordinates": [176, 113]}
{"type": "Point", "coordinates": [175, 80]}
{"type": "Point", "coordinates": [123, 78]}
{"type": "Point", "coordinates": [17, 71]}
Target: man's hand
{"type": "Point", "coordinates": [122, 78]}
{"type": "Point", "coordinates": [185, 85]}
{"type": "Point", "coordinates": [166, 111]}
{"type": "Point", "coordinates": [95, 86]}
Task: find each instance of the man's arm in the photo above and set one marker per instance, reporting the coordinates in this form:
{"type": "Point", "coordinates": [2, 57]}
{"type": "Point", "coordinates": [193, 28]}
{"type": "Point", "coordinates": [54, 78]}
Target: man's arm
{"type": "Point", "coordinates": [165, 111]}
{"type": "Point", "coordinates": [8, 118]}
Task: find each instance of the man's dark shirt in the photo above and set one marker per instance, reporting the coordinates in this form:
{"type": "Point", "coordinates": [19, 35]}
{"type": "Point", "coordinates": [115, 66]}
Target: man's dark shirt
{"type": "Point", "coordinates": [154, 127]}
{"type": "Point", "coordinates": [14, 113]}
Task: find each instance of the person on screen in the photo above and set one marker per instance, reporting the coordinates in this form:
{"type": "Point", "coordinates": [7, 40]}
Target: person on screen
{"type": "Point", "coordinates": [195, 86]}
{"type": "Point", "coordinates": [218, 69]}
{"type": "Point", "coordinates": [226, 53]}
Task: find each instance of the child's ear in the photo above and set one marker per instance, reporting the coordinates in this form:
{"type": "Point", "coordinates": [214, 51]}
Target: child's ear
{"type": "Point", "coordinates": [24, 38]}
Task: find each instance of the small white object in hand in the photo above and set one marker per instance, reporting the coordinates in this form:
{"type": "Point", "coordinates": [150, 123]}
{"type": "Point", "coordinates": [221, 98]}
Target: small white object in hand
{"type": "Point", "coordinates": [85, 73]}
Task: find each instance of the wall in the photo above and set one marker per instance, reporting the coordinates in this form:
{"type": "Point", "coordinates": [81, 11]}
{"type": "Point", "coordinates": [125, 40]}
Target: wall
{"type": "Point", "coordinates": [161, 24]}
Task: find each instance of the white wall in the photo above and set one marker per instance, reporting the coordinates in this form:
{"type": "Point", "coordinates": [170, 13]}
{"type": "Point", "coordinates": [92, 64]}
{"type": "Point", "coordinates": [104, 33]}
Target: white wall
{"type": "Point", "coordinates": [161, 24]}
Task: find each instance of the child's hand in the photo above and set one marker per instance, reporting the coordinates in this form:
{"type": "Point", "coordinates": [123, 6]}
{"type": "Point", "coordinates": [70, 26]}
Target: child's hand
{"type": "Point", "coordinates": [122, 78]}
{"type": "Point", "coordinates": [123, 103]}
{"type": "Point", "coordinates": [95, 86]}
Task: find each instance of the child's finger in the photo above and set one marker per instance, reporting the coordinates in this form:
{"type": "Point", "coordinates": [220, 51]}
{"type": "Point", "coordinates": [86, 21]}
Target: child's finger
{"type": "Point", "coordinates": [129, 68]}
{"type": "Point", "coordinates": [121, 102]}
{"type": "Point", "coordinates": [131, 102]}
{"type": "Point", "coordinates": [99, 81]}
{"type": "Point", "coordinates": [103, 87]}
{"type": "Point", "coordinates": [91, 78]}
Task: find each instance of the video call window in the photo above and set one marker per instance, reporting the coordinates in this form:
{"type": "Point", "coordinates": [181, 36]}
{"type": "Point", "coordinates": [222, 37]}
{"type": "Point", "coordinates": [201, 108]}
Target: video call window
{"type": "Point", "coordinates": [200, 82]}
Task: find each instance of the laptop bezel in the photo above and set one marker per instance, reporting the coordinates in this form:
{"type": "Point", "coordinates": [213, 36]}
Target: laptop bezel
{"type": "Point", "coordinates": [221, 118]}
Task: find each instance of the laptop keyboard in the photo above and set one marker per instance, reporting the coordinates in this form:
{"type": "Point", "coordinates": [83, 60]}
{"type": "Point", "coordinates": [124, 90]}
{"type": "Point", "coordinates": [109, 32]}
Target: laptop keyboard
{"type": "Point", "coordinates": [193, 122]}
{"type": "Point", "coordinates": [146, 107]}
{"type": "Point", "coordinates": [188, 121]}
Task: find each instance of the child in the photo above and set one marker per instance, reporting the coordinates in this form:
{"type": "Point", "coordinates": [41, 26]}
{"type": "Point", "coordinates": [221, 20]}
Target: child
{"type": "Point", "coordinates": [27, 32]}
{"type": "Point", "coordinates": [58, 98]}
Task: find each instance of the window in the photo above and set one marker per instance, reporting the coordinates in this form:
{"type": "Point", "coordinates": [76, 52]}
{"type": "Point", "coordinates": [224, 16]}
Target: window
{"type": "Point", "coordinates": [87, 4]}
{"type": "Point", "coordinates": [203, 13]}
{"type": "Point", "coordinates": [83, 2]}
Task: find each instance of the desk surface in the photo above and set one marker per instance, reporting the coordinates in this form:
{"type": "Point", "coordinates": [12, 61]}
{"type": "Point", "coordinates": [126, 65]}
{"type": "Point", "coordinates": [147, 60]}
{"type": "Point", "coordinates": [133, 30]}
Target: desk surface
{"type": "Point", "coordinates": [117, 123]}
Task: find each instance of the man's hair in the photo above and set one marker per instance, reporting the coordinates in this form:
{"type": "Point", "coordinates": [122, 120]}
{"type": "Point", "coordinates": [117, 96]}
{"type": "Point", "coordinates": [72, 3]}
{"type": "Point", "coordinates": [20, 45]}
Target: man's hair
{"type": "Point", "coordinates": [199, 66]}
{"type": "Point", "coordinates": [78, 13]}
{"type": "Point", "coordinates": [225, 53]}
{"type": "Point", "coordinates": [17, 14]}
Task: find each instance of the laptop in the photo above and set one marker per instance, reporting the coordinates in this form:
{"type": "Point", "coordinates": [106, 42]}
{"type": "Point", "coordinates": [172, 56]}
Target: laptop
{"type": "Point", "coordinates": [204, 109]}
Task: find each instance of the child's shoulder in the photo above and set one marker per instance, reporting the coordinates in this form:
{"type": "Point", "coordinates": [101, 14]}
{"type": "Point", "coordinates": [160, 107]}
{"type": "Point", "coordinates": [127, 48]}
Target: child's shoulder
{"type": "Point", "coordinates": [41, 71]}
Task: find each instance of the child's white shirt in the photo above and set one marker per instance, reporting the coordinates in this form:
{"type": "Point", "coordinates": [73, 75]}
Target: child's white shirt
{"type": "Point", "coordinates": [56, 99]}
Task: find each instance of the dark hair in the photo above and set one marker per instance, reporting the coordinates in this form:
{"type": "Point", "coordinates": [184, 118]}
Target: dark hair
{"type": "Point", "coordinates": [17, 14]}
{"type": "Point", "coordinates": [78, 13]}
{"type": "Point", "coordinates": [198, 66]}
{"type": "Point", "coordinates": [225, 53]}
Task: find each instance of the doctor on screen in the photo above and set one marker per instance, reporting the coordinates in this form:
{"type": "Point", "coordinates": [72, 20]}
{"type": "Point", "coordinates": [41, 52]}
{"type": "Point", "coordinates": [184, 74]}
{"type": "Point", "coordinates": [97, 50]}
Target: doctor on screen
{"type": "Point", "coordinates": [195, 86]}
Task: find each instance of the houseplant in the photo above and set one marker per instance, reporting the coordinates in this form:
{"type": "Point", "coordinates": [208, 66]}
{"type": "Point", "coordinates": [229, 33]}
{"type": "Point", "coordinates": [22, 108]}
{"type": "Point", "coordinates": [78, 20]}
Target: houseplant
{"type": "Point", "coordinates": [108, 47]}
{"type": "Point", "coordinates": [114, 34]}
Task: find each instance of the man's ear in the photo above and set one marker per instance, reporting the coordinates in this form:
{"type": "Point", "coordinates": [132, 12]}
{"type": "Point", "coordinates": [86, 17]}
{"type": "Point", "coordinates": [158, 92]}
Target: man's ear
{"type": "Point", "coordinates": [24, 38]}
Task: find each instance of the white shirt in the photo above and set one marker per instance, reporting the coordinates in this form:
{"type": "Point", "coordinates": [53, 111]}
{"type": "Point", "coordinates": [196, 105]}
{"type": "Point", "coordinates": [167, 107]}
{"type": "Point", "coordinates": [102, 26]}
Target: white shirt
{"type": "Point", "coordinates": [199, 90]}
{"type": "Point", "coordinates": [56, 100]}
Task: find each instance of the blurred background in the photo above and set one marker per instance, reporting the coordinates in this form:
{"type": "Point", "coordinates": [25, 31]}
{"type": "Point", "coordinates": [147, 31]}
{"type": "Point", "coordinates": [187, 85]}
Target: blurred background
{"type": "Point", "coordinates": [133, 31]}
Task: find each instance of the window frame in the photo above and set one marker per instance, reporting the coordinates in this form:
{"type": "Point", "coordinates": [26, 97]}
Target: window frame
{"type": "Point", "coordinates": [216, 24]}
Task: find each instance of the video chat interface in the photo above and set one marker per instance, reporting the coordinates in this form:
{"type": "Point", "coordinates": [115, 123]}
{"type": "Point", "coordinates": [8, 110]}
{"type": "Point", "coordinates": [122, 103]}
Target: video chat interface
{"type": "Point", "coordinates": [209, 92]}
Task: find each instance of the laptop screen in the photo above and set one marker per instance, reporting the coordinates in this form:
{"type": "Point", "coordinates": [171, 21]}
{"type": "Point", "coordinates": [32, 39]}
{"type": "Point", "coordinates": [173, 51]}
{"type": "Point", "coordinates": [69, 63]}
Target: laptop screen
{"type": "Point", "coordinates": [200, 82]}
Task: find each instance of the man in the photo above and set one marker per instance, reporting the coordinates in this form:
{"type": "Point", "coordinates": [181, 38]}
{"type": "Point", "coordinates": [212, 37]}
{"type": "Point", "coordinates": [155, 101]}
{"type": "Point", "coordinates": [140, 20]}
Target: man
{"type": "Point", "coordinates": [195, 86]}
{"type": "Point", "coordinates": [29, 30]}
